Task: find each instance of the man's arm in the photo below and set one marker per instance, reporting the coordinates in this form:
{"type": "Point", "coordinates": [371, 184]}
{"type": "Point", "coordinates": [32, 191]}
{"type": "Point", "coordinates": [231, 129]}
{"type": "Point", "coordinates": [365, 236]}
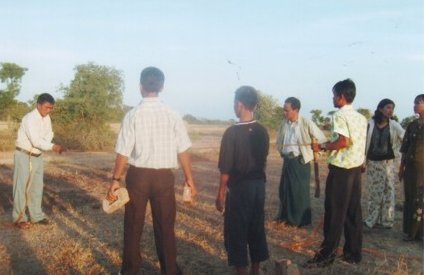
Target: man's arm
{"type": "Point", "coordinates": [340, 143]}
{"type": "Point", "coordinates": [223, 181]}
{"type": "Point", "coordinates": [185, 162]}
{"type": "Point", "coordinates": [120, 163]}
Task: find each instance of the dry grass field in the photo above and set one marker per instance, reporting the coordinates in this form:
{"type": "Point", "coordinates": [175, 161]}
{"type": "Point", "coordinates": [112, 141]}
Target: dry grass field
{"type": "Point", "coordinates": [82, 239]}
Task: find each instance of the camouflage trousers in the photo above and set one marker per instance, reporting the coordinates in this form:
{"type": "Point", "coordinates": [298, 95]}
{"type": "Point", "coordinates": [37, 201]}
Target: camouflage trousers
{"type": "Point", "coordinates": [380, 177]}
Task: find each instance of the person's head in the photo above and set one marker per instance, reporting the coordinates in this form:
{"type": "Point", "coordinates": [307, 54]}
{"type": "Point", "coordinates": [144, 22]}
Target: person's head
{"type": "Point", "coordinates": [384, 110]}
{"type": "Point", "coordinates": [291, 108]}
{"type": "Point", "coordinates": [151, 80]}
{"type": "Point", "coordinates": [246, 99]}
{"type": "Point", "coordinates": [45, 104]}
{"type": "Point", "coordinates": [344, 93]}
{"type": "Point", "coordinates": [419, 104]}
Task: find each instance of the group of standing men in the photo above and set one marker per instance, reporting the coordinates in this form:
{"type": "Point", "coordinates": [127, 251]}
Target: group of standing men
{"type": "Point", "coordinates": [153, 140]}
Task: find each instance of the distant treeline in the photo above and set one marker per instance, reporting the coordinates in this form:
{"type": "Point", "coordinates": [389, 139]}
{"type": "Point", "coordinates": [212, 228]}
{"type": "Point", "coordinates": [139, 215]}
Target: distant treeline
{"type": "Point", "coordinates": [194, 120]}
{"type": "Point", "coordinates": [93, 99]}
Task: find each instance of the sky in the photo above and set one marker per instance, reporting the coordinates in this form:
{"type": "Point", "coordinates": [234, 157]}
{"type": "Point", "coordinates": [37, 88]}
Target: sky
{"type": "Point", "coordinates": [207, 49]}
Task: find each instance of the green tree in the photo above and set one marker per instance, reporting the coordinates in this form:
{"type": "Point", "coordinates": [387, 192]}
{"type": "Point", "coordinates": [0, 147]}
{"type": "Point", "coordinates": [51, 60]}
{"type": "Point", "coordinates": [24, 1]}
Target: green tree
{"type": "Point", "coordinates": [317, 117]}
{"type": "Point", "coordinates": [91, 101]}
{"type": "Point", "coordinates": [268, 111]}
{"type": "Point", "coordinates": [365, 112]}
{"type": "Point", "coordinates": [10, 75]}
{"type": "Point", "coordinates": [405, 122]}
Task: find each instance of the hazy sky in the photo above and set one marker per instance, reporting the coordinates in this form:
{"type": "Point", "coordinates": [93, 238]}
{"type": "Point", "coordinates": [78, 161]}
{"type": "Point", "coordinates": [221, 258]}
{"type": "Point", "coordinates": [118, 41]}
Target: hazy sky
{"type": "Point", "coordinates": [209, 48]}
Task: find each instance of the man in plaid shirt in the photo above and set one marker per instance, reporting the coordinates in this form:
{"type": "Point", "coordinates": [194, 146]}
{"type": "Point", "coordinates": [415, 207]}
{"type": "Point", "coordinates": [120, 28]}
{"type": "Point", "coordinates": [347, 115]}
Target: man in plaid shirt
{"type": "Point", "coordinates": [152, 139]}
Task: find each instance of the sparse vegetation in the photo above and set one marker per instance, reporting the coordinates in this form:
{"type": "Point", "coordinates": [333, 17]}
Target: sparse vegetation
{"type": "Point", "coordinates": [82, 239]}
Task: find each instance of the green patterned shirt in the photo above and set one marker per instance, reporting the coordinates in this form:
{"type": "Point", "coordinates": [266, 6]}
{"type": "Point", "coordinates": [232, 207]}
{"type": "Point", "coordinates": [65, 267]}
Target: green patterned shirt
{"type": "Point", "coordinates": [351, 124]}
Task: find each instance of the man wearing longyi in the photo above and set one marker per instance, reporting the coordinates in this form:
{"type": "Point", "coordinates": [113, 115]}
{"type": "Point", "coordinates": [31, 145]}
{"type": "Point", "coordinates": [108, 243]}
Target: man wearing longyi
{"type": "Point", "coordinates": [35, 136]}
{"type": "Point", "coordinates": [152, 139]}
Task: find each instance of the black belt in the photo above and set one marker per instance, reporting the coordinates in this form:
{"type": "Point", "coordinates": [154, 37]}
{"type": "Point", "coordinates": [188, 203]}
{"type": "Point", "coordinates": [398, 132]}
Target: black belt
{"type": "Point", "coordinates": [27, 152]}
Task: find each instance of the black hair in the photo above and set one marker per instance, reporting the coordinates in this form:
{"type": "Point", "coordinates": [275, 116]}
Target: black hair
{"type": "Point", "coordinates": [346, 88]}
{"type": "Point", "coordinates": [152, 79]}
{"type": "Point", "coordinates": [248, 96]}
{"type": "Point", "coordinates": [45, 97]}
{"type": "Point", "coordinates": [378, 115]}
{"type": "Point", "coordinates": [419, 97]}
{"type": "Point", "coordinates": [294, 102]}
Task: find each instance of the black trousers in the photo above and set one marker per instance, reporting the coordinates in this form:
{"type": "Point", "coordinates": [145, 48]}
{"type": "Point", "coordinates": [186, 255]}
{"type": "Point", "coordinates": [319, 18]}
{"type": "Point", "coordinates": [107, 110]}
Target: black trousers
{"type": "Point", "coordinates": [156, 186]}
{"type": "Point", "coordinates": [244, 231]}
{"type": "Point", "coordinates": [343, 212]}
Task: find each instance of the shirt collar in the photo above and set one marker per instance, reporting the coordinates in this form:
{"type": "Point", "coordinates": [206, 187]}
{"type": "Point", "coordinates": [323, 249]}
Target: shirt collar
{"type": "Point", "coordinates": [246, 122]}
{"type": "Point", "coordinates": [151, 99]}
{"type": "Point", "coordinates": [347, 107]}
{"type": "Point", "coordinates": [38, 115]}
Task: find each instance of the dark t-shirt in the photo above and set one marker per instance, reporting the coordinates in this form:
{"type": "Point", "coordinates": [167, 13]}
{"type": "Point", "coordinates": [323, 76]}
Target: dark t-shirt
{"type": "Point", "coordinates": [243, 153]}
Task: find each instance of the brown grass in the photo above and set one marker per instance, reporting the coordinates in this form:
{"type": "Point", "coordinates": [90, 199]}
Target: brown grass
{"type": "Point", "coordinates": [82, 239]}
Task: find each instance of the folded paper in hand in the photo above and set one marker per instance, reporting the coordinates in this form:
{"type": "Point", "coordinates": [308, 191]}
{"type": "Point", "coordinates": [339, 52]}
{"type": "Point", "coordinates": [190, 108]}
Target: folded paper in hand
{"type": "Point", "coordinates": [187, 197]}
{"type": "Point", "coordinates": [123, 198]}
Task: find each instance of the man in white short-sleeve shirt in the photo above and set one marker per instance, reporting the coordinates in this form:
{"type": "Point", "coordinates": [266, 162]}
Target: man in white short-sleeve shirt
{"type": "Point", "coordinates": [151, 140]}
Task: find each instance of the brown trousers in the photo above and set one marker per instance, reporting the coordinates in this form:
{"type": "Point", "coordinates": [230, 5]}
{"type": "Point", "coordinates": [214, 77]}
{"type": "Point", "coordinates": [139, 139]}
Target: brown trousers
{"type": "Point", "coordinates": [156, 186]}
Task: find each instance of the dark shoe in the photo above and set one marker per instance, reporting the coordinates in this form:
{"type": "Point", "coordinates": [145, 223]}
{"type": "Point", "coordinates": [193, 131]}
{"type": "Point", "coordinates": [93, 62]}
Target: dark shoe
{"type": "Point", "coordinates": [44, 221]}
{"type": "Point", "coordinates": [408, 239]}
{"type": "Point", "coordinates": [350, 259]}
{"type": "Point", "coordinates": [380, 226]}
{"type": "Point", "coordinates": [318, 262]}
{"type": "Point", "coordinates": [23, 225]}
{"type": "Point", "coordinates": [367, 226]}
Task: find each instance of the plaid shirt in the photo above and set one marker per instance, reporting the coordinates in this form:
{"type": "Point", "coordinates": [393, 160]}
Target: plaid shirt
{"type": "Point", "coordinates": [152, 135]}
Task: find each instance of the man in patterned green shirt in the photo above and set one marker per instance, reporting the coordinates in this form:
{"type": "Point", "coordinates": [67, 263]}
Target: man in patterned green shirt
{"type": "Point", "coordinates": [343, 187]}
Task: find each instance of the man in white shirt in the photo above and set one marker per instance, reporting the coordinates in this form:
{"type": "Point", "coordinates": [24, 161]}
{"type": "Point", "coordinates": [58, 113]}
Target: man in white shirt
{"type": "Point", "coordinates": [35, 136]}
{"type": "Point", "coordinates": [152, 139]}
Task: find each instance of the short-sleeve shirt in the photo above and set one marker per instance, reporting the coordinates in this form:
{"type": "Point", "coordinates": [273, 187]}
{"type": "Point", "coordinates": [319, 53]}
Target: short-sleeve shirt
{"type": "Point", "coordinates": [152, 135]}
{"type": "Point", "coordinates": [243, 153]}
{"type": "Point", "coordinates": [351, 124]}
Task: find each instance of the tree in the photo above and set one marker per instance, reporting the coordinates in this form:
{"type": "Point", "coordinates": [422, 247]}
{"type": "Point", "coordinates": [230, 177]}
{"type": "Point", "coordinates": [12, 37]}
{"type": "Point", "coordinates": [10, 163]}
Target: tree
{"type": "Point", "coordinates": [10, 75]}
{"type": "Point", "coordinates": [405, 122]}
{"type": "Point", "coordinates": [317, 117]}
{"type": "Point", "coordinates": [93, 98]}
{"type": "Point", "coordinates": [365, 112]}
{"type": "Point", "coordinates": [268, 111]}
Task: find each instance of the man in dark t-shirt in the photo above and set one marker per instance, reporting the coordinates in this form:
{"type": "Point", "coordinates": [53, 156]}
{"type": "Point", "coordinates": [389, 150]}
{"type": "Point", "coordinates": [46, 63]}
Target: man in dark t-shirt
{"type": "Point", "coordinates": [242, 159]}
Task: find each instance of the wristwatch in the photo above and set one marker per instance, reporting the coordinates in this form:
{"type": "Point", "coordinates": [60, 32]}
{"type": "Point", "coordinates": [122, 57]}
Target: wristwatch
{"type": "Point", "coordinates": [323, 146]}
{"type": "Point", "coordinates": [116, 179]}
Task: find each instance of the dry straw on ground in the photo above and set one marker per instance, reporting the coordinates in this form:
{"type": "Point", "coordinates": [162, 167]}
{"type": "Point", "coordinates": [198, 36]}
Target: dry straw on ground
{"type": "Point", "coordinates": [83, 240]}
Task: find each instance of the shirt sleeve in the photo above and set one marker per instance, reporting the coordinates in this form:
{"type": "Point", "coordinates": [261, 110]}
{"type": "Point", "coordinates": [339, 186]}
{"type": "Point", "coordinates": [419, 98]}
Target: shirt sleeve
{"type": "Point", "coordinates": [280, 137]}
{"type": "Point", "coordinates": [226, 153]}
{"type": "Point", "coordinates": [126, 138]}
{"type": "Point", "coordinates": [406, 140]}
{"type": "Point", "coordinates": [182, 138]}
{"type": "Point", "coordinates": [340, 125]}
{"type": "Point", "coordinates": [316, 132]}
{"type": "Point", "coordinates": [39, 138]}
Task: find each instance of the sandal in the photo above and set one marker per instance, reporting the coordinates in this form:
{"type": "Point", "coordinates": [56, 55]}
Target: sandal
{"type": "Point", "coordinates": [23, 225]}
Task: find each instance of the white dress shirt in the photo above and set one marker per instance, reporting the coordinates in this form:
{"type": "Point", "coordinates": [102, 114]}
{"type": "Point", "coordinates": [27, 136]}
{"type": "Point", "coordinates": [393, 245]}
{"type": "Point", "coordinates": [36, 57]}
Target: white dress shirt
{"type": "Point", "coordinates": [35, 133]}
{"type": "Point", "coordinates": [152, 135]}
{"type": "Point", "coordinates": [291, 139]}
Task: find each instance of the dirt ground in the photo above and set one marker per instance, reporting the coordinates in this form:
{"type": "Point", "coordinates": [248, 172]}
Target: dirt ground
{"type": "Point", "coordinates": [82, 239]}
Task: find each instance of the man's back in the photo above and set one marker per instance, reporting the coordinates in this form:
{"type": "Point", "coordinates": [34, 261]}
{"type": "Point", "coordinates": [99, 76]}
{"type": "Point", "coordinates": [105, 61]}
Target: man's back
{"type": "Point", "coordinates": [152, 135]}
{"type": "Point", "coordinates": [353, 125]}
{"type": "Point", "coordinates": [244, 150]}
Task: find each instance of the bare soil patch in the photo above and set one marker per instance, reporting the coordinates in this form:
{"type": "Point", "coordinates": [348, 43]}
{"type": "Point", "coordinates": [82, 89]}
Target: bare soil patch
{"type": "Point", "coordinates": [82, 239]}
